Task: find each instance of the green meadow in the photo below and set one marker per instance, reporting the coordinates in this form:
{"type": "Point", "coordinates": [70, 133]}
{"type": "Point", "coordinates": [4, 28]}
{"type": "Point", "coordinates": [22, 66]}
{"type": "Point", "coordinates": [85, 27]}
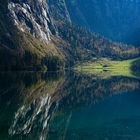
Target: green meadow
{"type": "Point", "coordinates": [106, 68]}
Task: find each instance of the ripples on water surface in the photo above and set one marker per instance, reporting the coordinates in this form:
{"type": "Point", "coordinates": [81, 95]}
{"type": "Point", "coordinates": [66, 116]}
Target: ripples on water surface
{"type": "Point", "coordinates": [68, 106]}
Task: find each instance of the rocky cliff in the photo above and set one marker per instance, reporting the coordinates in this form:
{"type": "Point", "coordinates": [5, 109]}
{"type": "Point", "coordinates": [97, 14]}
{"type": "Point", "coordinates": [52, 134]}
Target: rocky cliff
{"type": "Point", "coordinates": [37, 17]}
{"type": "Point", "coordinates": [31, 16]}
{"type": "Point", "coordinates": [26, 29]}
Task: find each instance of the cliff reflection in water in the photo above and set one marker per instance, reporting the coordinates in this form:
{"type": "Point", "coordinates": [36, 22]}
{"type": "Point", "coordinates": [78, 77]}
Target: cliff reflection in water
{"type": "Point", "coordinates": [40, 105]}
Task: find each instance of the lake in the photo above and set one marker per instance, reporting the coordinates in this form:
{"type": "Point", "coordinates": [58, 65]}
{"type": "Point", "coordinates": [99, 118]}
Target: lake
{"type": "Point", "coordinates": [68, 106]}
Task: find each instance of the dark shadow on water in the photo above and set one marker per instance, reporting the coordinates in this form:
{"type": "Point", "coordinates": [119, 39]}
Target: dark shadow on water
{"type": "Point", "coordinates": [66, 105]}
{"type": "Point", "coordinates": [136, 67]}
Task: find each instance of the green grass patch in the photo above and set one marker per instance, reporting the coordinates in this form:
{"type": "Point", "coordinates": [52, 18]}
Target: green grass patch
{"type": "Point", "coordinates": [106, 68]}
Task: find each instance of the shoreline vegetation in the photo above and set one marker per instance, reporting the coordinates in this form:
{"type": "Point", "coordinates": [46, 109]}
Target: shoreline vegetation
{"type": "Point", "coordinates": [105, 68]}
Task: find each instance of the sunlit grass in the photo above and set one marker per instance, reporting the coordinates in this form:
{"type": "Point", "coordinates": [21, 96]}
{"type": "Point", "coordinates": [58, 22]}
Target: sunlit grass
{"type": "Point", "coordinates": [106, 68]}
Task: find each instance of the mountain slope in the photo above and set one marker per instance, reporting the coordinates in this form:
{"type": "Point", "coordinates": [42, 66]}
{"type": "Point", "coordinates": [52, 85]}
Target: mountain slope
{"type": "Point", "coordinates": [33, 35]}
{"type": "Point", "coordinates": [85, 45]}
{"type": "Point", "coordinates": [26, 49]}
{"type": "Point", "coordinates": [115, 19]}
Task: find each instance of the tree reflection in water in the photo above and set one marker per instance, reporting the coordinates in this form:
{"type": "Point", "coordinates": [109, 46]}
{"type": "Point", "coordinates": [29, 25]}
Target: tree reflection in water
{"type": "Point", "coordinates": [41, 105]}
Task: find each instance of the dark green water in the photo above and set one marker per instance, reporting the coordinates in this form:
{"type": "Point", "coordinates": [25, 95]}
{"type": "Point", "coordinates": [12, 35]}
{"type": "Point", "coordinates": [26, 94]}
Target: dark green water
{"type": "Point", "coordinates": [68, 106]}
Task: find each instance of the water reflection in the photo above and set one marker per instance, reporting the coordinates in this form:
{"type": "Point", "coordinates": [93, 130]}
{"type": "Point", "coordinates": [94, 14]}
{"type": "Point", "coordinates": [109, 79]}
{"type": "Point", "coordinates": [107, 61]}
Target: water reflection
{"type": "Point", "coordinates": [42, 106]}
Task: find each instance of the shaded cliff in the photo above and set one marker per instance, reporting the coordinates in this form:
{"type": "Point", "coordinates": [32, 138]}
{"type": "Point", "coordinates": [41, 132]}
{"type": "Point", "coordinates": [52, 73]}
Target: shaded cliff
{"type": "Point", "coordinates": [117, 20]}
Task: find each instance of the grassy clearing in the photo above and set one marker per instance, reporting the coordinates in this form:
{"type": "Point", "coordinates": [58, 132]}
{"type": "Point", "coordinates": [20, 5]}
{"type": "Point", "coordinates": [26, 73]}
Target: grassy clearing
{"type": "Point", "coordinates": [106, 68]}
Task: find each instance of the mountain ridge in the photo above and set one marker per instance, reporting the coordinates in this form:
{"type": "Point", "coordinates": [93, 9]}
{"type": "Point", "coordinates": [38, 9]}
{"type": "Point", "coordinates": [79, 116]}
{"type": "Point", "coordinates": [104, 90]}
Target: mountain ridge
{"type": "Point", "coordinates": [117, 20]}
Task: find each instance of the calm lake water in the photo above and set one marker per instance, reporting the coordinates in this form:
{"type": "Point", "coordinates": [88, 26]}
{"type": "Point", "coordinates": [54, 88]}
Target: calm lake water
{"type": "Point", "coordinates": [68, 106]}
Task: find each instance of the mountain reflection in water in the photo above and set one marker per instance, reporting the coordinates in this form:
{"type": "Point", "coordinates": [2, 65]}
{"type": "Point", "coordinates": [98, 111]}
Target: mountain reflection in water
{"type": "Point", "coordinates": [67, 106]}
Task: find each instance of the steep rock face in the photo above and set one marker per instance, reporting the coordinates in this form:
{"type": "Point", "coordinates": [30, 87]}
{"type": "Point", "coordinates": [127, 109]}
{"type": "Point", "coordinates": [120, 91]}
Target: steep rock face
{"type": "Point", "coordinates": [32, 16]}
{"type": "Point", "coordinates": [26, 29]}
{"type": "Point", "coordinates": [36, 17]}
{"type": "Point", "coordinates": [59, 10]}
